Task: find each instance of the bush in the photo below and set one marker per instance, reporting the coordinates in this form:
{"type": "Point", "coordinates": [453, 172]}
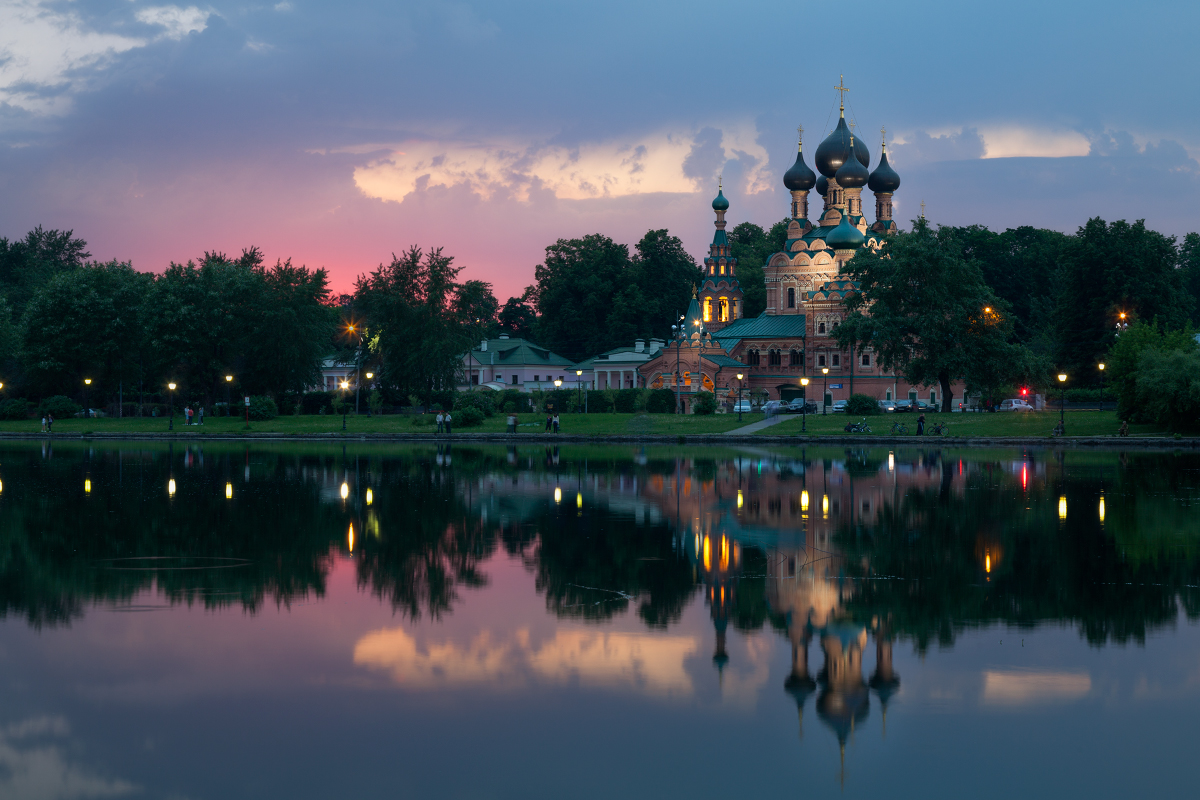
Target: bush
{"type": "Point", "coordinates": [375, 401]}
{"type": "Point", "coordinates": [626, 400]}
{"type": "Point", "coordinates": [705, 403]}
{"type": "Point", "coordinates": [424, 419]}
{"type": "Point", "coordinates": [59, 407]}
{"type": "Point", "coordinates": [863, 405]}
{"type": "Point", "coordinates": [14, 409]}
{"type": "Point", "coordinates": [482, 401]}
{"type": "Point", "coordinates": [510, 407]}
{"type": "Point", "coordinates": [469, 417]}
{"type": "Point", "coordinates": [263, 408]}
{"type": "Point", "coordinates": [661, 401]}
{"type": "Point", "coordinates": [316, 402]}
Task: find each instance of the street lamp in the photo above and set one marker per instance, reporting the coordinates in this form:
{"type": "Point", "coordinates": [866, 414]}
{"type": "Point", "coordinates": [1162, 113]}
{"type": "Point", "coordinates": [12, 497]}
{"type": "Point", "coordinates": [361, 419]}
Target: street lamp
{"type": "Point", "coordinates": [739, 377]}
{"type": "Point", "coordinates": [370, 375]}
{"type": "Point", "coordinates": [804, 406]}
{"type": "Point", "coordinates": [171, 424]}
{"type": "Point", "coordinates": [825, 389]}
{"type": "Point", "coordinates": [345, 386]}
{"type": "Point", "coordinates": [228, 403]}
{"type": "Point", "coordinates": [357, 363]}
{"type": "Point", "coordinates": [86, 383]}
{"type": "Point", "coordinates": [1062, 406]}
{"type": "Point", "coordinates": [579, 381]}
{"type": "Point", "coordinates": [1121, 323]}
{"type": "Point", "coordinates": [1101, 408]}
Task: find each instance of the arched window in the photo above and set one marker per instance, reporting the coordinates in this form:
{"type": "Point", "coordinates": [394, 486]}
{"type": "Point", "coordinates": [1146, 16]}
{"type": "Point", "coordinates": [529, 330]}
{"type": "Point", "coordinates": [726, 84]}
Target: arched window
{"type": "Point", "coordinates": [722, 269]}
{"type": "Point", "coordinates": [708, 309]}
{"type": "Point", "coordinates": [723, 310]}
{"type": "Point", "coordinates": [791, 297]}
{"type": "Point", "coordinates": [774, 358]}
{"type": "Point", "coordinates": [820, 361]}
{"type": "Point", "coordinates": [837, 360]}
{"type": "Point", "coordinates": [794, 359]}
{"type": "Point", "coordinates": [820, 327]}
{"type": "Point", "coordinates": [752, 358]}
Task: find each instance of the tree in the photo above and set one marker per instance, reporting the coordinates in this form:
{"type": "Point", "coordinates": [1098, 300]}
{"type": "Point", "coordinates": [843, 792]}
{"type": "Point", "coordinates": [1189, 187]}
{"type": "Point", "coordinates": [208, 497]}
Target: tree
{"type": "Point", "coordinates": [666, 276]}
{"type": "Point", "coordinates": [418, 328]}
{"type": "Point", "coordinates": [28, 264]}
{"type": "Point", "coordinates": [1124, 362]}
{"type": "Point", "coordinates": [518, 316]}
{"type": "Point", "coordinates": [478, 308]}
{"type": "Point", "coordinates": [86, 322]}
{"type": "Point", "coordinates": [927, 313]}
{"type": "Point", "coordinates": [1189, 265]}
{"type": "Point", "coordinates": [580, 298]}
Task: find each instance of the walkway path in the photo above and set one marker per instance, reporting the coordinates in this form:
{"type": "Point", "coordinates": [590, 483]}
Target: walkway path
{"type": "Point", "coordinates": [758, 426]}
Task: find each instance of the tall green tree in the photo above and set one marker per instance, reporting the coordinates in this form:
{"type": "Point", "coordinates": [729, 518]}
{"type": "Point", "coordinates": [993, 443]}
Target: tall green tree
{"type": "Point", "coordinates": [518, 315]}
{"type": "Point", "coordinates": [752, 247]}
{"type": "Point", "coordinates": [28, 264]}
{"type": "Point", "coordinates": [419, 320]}
{"type": "Point", "coordinates": [1189, 265]}
{"type": "Point", "coordinates": [928, 314]}
{"type": "Point", "coordinates": [1124, 362]}
{"type": "Point", "coordinates": [666, 276]}
{"type": "Point", "coordinates": [86, 323]}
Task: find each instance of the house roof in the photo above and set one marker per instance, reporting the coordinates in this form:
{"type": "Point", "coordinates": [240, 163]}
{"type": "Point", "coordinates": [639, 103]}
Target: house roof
{"type": "Point", "coordinates": [723, 361]}
{"type": "Point", "coordinates": [514, 352]}
{"type": "Point", "coordinates": [764, 326]}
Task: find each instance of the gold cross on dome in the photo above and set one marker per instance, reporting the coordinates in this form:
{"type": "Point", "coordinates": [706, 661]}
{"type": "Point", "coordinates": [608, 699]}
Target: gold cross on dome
{"type": "Point", "coordinates": [841, 87]}
{"type": "Point", "coordinates": [883, 135]}
{"type": "Point", "coordinates": [720, 177]}
{"type": "Point", "coordinates": [922, 209]}
{"type": "Point", "coordinates": [799, 134]}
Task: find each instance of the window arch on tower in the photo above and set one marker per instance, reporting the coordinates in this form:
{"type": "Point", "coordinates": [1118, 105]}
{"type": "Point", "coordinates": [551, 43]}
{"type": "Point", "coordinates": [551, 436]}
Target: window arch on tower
{"type": "Point", "coordinates": [791, 297]}
{"type": "Point", "coordinates": [794, 358]}
{"type": "Point", "coordinates": [708, 309]}
{"type": "Point", "coordinates": [774, 357]}
{"type": "Point", "coordinates": [820, 327]}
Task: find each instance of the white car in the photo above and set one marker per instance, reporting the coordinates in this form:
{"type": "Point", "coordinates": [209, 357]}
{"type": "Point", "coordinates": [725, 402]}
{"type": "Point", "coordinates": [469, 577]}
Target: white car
{"type": "Point", "coordinates": [742, 408]}
{"type": "Point", "coordinates": [1015, 404]}
{"type": "Point", "coordinates": [887, 405]}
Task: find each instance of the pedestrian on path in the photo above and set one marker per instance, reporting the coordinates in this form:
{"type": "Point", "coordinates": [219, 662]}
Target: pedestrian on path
{"type": "Point", "coordinates": [441, 421]}
{"type": "Point", "coordinates": [49, 423]}
{"type": "Point", "coordinates": [549, 422]}
{"type": "Point", "coordinates": [448, 421]}
{"type": "Point", "coordinates": [921, 425]}
{"type": "Point", "coordinates": [556, 423]}
{"type": "Point", "coordinates": [512, 423]}
{"type": "Point", "coordinates": [43, 423]}
{"type": "Point", "coordinates": [201, 415]}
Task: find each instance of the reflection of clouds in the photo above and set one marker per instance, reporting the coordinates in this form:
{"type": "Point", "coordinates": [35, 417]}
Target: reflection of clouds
{"type": "Point", "coordinates": [748, 672]}
{"type": "Point", "coordinates": [1027, 688]}
{"type": "Point", "coordinates": [39, 771]}
{"type": "Point", "coordinates": [647, 663]}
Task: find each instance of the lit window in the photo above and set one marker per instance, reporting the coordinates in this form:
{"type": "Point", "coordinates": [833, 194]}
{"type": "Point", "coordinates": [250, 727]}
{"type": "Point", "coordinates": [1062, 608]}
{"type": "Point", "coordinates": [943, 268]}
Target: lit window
{"type": "Point", "coordinates": [708, 309]}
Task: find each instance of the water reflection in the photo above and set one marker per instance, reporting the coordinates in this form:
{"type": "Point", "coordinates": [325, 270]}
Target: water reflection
{"type": "Point", "coordinates": [839, 555]}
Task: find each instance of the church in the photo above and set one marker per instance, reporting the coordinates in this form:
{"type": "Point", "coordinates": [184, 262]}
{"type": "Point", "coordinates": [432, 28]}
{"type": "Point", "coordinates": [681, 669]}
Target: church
{"type": "Point", "coordinates": [806, 293]}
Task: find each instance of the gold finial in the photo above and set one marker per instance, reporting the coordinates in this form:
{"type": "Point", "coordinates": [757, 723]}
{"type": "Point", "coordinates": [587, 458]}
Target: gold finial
{"type": "Point", "coordinates": [841, 87]}
{"type": "Point", "coordinates": [800, 138]}
{"type": "Point", "coordinates": [922, 209]}
{"type": "Point", "coordinates": [883, 135]}
{"type": "Point", "coordinates": [720, 177]}
{"type": "Point", "coordinates": [693, 291]}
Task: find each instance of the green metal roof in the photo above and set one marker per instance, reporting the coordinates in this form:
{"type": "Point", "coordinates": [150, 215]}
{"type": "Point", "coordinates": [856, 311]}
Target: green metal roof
{"type": "Point", "coordinates": [513, 352]}
{"type": "Point", "coordinates": [723, 361]}
{"type": "Point", "coordinates": [764, 326]}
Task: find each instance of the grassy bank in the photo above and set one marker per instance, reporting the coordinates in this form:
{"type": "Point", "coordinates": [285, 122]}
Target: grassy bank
{"type": "Point", "coordinates": [1026, 423]}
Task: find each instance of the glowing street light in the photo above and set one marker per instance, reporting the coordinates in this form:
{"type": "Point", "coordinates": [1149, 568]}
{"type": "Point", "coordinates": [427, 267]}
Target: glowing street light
{"type": "Point", "coordinates": [1101, 365]}
{"type": "Point", "coordinates": [370, 496]}
{"type": "Point", "coordinates": [228, 491]}
{"type": "Point", "coordinates": [579, 386]}
{"type": "Point", "coordinates": [739, 377]}
{"type": "Point", "coordinates": [171, 487]}
{"type": "Point", "coordinates": [345, 385]}
{"type": "Point", "coordinates": [825, 389]}
{"type": "Point", "coordinates": [804, 406]}
{"type": "Point", "coordinates": [86, 411]}
{"type": "Point", "coordinates": [171, 424]}
{"type": "Point", "coordinates": [1062, 507]}
{"type": "Point", "coordinates": [1062, 407]}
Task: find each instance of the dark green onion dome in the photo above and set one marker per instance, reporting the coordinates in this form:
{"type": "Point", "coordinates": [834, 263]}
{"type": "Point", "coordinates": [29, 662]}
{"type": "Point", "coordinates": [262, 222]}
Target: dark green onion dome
{"type": "Point", "coordinates": [845, 236]}
{"type": "Point", "coordinates": [822, 185]}
{"type": "Point", "coordinates": [852, 174]}
{"type": "Point", "coordinates": [799, 177]}
{"type": "Point", "coordinates": [884, 178]}
{"type": "Point", "coordinates": [834, 151]}
{"type": "Point", "coordinates": [720, 203]}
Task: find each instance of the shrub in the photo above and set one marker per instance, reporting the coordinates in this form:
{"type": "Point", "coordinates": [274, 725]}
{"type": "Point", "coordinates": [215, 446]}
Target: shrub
{"type": "Point", "coordinates": [661, 401]}
{"type": "Point", "coordinates": [705, 403]}
{"type": "Point", "coordinates": [510, 407]}
{"type": "Point", "coordinates": [424, 419]}
{"type": "Point", "coordinates": [375, 401]}
{"type": "Point", "coordinates": [627, 400]}
{"type": "Point", "coordinates": [469, 417]}
{"type": "Point", "coordinates": [263, 408]}
{"type": "Point", "coordinates": [59, 406]}
{"type": "Point", "coordinates": [14, 409]}
{"type": "Point", "coordinates": [863, 405]}
{"type": "Point", "coordinates": [482, 401]}
{"type": "Point", "coordinates": [315, 402]}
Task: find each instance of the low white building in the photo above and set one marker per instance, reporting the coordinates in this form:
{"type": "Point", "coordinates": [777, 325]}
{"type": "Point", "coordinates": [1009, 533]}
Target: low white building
{"type": "Point", "coordinates": [509, 363]}
{"type": "Point", "coordinates": [618, 368]}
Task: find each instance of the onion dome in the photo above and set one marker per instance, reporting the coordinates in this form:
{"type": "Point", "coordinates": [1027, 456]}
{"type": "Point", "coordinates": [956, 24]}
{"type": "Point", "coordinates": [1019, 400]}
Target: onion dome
{"type": "Point", "coordinates": [845, 236]}
{"type": "Point", "coordinates": [884, 178]}
{"type": "Point", "coordinates": [720, 203]}
{"type": "Point", "coordinates": [834, 151]}
{"type": "Point", "coordinates": [822, 185]}
{"type": "Point", "coordinates": [852, 174]}
{"type": "Point", "coordinates": [799, 177]}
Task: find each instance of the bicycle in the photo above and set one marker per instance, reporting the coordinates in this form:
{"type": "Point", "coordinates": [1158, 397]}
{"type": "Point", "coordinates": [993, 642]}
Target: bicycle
{"type": "Point", "coordinates": [860, 427]}
{"type": "Point", "coordinates": [899, 428]}
{"type": "Point", "coordinates": [939, 429]}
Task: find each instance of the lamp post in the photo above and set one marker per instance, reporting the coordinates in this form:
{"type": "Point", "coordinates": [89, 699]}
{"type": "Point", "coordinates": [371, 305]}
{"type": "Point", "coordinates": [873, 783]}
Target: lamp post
{"type": "Point", "coordinates": [1101, 406]}
{"type": "Point", "coordinates": [677, 335]}
{"type": "Point", "coordinates": [86, 411]}
{"type": "Point", "coordinates": [345, 386]}
{"type": "Point", "coordinates": [1062, 406]}
{"type": "Point", "coordinates": [1121, 323]}
{"type": "Point", "coordinates": [357, 364]}
{"type": "Point", "coordinates": [171, 424]}
{"type": "Point", "coordinates": [824, 389]}
{"type": "Point", "coordinates": [579, 382]}
{"type": "Point", "coordinates": [804, 406]}
{"type": "Point", "coordinates": [369, 376]}
{"type": "Point", "coordinates": [739, 376]}
{"type": "Point", "coordinates": [228, 399]}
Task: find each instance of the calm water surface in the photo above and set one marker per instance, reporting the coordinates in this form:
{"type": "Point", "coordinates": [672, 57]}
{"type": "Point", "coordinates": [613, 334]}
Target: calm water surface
{"type": "Point", "coordinates": [223, 621]}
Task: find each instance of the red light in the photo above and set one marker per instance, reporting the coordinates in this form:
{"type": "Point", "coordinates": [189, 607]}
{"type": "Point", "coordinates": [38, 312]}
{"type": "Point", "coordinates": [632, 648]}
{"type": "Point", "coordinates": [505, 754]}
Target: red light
{"type": "Point", "coordinates": [1024, 391]}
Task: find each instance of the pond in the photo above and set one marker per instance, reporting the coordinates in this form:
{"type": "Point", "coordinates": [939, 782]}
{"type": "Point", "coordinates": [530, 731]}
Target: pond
{"type": "Point", "coordinates": [222, 620]}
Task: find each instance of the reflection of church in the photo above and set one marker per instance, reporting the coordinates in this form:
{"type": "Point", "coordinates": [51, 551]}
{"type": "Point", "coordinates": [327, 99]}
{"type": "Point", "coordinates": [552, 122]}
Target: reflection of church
{"type": "Point", "coordinates": [806, 292]}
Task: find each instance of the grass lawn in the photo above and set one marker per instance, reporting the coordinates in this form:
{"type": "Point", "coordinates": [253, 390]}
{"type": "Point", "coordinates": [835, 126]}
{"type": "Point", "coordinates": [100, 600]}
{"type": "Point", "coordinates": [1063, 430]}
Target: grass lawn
{"type": "Point", "coordinates": [1023, 423]}
{"type": "Point", "coordinates": [586, 424]}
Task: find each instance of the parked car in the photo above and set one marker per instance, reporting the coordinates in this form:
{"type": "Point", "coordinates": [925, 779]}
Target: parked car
{"type": "Point", "coordinates": [742, 407]}
{"type": "Point", "coordinates": [798, 406]}
{"type": "Point", "coordinates": [1015, 404]}
{"type": "Point", "coordinates": [772, 407]}
{"type": "Point", "coordinates": [838, 407]}
{"type": "Point", "coordinates": [887, 405]}
{"type": "Point", "coordinates": [904, 406]}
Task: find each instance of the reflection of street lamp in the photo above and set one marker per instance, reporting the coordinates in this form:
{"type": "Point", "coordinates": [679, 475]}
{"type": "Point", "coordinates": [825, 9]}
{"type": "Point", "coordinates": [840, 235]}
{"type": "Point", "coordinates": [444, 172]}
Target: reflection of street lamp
{"type": "Point", "coordinates": [171, 424]}
{"type": "Point", "coordinates": [1101, 408]}
{"type": "Point", "coordinates": [345, 386]}
{"type": "Point", "coordinates": [1062, 406]}
{"type": "Point", "coordinates": [825, 390]}
{"type": "Point", "coordinates": [804, 406]}
{"type": "Point", "coordinates": [86, 383]}
{"type": "Point", "coordinates": [739, 376]}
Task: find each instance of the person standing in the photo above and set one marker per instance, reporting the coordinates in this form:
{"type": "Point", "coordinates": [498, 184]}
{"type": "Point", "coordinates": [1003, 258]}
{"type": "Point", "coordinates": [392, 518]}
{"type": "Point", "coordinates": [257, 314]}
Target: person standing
{"type": "Point", "coordinates": [449, 420]}
{"type": "Point", "coordinates": [921, 425]}
{"type": "Point", "coordinates": [43, 423]}
{"type": "Point", "coordinates": [441, 420]}
{"type": "Point", "coordinates": [201, 415]}
{"type": "Point", "coordinates": [549, 421]}
{"type": "Point", "coordinates": [49, 423]}
{"type": "Point", "coordinates": [556, 423]}
{"type": "Point", "coordinates": [512, 423]}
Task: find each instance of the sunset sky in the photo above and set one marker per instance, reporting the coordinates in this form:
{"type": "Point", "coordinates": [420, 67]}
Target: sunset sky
{"type": "Point", "coordinates": [337, 133]}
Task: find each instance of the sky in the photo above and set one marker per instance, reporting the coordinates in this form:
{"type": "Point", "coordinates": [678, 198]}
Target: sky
{"type": "Point", "coordinates": [337, 134]}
